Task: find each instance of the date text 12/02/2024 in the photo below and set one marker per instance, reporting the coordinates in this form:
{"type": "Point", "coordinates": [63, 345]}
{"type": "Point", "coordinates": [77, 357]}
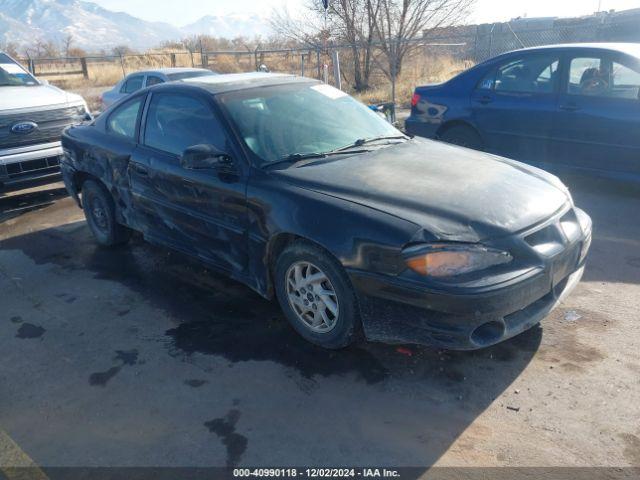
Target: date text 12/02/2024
{"type": "Point", "coordinates": [317, 472]}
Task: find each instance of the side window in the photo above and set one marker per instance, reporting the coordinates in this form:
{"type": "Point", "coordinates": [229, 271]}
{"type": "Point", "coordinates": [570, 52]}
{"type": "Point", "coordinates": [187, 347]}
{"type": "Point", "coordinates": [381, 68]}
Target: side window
{"type": "Point", "coordinates": [132, 85]}
{"type": "Point", "coordinates": [177, 121]}
{"type": "Point", "coordinates": [153, 80]}
{"type": "Point", "coordinates": [532, 74]}
{"type": "Point", "coordinates": [488, 82]}
{"type": "Point", "coordinates": [602, 77]}
{"type": "Point", "coordinates": [588, 76]}
{"type": "Point", "coordinates": [122, 120]}
{"type": "Point", "coordinates": [625, 82]}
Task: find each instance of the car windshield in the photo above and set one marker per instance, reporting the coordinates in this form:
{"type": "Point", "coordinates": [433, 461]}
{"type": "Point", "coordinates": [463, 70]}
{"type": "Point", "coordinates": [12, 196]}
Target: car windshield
{"type": "Point", "coordinates": [183, 75]}
{"type": "Point", "coordinates": [13, 75]}
{"type": "Point", "coordinates": [299, 119]}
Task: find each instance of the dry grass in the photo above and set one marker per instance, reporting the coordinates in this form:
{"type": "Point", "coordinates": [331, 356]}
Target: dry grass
{"type": "Point", "coordinates": [418, 69]}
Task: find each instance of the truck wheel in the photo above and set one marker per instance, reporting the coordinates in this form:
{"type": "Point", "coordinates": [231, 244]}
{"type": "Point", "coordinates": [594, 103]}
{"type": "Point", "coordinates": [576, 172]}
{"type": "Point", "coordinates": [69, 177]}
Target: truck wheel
{"type": "Point", "coordinates": [462, 136]}
{"type": "Point", "coordinates": [316, 296]}
{"type": "Point", "coordinates": [100, 213]}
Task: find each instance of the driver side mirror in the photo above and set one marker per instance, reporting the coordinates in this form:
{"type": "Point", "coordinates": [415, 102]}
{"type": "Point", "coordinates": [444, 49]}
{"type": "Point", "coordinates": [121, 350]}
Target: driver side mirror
{"type": "Point", "coordinates": [204, 156]}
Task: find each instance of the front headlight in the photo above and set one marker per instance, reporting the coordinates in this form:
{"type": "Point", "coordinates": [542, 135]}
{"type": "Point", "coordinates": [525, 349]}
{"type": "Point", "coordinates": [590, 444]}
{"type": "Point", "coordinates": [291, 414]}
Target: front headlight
{"type": "Point", "coordinates": [451, 259]}
{"type": "Point", "coordinates": [82, 113]}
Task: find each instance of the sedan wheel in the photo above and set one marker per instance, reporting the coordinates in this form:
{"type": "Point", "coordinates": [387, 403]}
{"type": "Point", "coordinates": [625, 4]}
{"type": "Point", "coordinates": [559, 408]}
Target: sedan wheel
{"type": "Point", "coordinates": [316, 295]}
{"type": "Point", "coordinates": [312, 297]}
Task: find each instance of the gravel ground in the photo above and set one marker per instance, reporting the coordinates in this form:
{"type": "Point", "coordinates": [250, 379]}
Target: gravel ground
{"type": "Point", "coordinates": [139, 356]}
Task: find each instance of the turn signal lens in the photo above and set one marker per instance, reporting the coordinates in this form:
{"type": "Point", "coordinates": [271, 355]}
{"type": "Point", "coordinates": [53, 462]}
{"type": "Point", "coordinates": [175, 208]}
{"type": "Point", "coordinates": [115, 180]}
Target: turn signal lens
{"type": "Point", "coordinates": [415, 99]}
{"type": "Point", "coordinates": [448, 260]}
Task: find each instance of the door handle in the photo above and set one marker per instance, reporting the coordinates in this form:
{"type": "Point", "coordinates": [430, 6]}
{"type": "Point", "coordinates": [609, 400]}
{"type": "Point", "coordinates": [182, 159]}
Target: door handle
{"type": "Point", "coordinates": [140, 169]}
{"type": "Point", "coordinates": [570, 107]}
{"type": "Point", "coordinates": [484, 100]}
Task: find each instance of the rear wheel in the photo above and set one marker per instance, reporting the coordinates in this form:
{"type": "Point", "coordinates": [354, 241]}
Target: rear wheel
{"type": "Point", "coordinates": [99, 210]}
{"type": "Point", "coordinates": [316, 296]}
{"type": "Point", "coordinates": [463, 136]}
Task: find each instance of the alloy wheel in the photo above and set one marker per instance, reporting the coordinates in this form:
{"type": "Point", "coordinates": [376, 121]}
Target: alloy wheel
{"type": "Point", "coordinates": [312, 297]}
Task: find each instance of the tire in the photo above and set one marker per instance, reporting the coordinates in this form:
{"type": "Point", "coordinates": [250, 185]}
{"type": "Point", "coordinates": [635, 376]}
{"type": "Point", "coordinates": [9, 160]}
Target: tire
{"type": "Point", "coordinates": [99, 210]}
{"type": "Point", "coordinates": [334, 331]}
{"type": "Point", "coordinates": [463, 136]}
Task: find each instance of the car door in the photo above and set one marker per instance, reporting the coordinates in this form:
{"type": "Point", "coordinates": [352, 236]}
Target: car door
{"type": "Point", "coordinates": [599, 113]}
{"type": "Point", "coordinates": [201, 212]}
{"type": "Point", "coordinates": [515, 104]}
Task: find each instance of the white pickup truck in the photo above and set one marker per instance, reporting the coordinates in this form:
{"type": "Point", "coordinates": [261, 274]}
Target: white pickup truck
{"type": "Point", "coordinates": [32, 117]}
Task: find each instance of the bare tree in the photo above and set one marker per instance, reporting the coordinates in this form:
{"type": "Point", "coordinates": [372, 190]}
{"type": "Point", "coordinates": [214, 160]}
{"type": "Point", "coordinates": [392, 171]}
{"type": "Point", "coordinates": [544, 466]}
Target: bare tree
{"type": "Point", "coordinates": [67, 41]}
{"type": "Point", "coordinates": [307, 30]}
{"type": "Point", "coordinates": [353, 25]}
{"type": "Point", "coordinates": [348, 22]}
{"type": "Point", "coordinates": [121, 50]}
{"type": "Point", "coordinates": [398, 23]}
{"type": "Point", "coordinates": [11, 48]}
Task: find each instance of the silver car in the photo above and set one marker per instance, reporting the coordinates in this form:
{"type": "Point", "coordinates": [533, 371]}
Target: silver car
{"type": "Point", "coordinates": [32, 117]}
{"type": "Point", "coordinates": [146, 78]}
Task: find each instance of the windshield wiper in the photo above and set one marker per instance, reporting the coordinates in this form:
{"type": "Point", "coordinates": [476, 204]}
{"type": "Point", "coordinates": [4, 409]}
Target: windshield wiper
{"type": "Point", "coordinates": [363, 141]}
{"type": "Point", "coordinates": [296, 157]}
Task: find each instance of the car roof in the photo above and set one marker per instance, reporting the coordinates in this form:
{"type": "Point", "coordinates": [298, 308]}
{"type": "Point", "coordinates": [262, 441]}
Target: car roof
{"type": "Point", "coordinates": [632, 49]}
{"type": "Point", "coordinates": [241, 81]}
{"type": "Point", "coordinates": [166, 71]}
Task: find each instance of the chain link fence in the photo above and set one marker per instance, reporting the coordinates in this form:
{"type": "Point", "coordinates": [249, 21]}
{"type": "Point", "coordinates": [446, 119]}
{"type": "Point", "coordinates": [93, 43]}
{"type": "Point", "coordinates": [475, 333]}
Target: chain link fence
{"type": "Point", "coordinates": [438, 55]}
{"type": "Point", "coordinates": [481, 42]}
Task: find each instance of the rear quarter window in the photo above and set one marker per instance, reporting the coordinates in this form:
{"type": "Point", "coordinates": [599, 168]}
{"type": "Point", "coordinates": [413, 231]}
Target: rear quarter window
{"type": "Point", "coordinates": [123, 120]}
{"type": "Point", "coordinates": [133, 84]}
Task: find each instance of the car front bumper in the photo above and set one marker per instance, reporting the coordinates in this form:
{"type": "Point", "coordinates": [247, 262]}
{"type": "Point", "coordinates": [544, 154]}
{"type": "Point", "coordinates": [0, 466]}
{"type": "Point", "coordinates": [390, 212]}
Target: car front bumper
{"type": "Point", "coordinates": [25, 166]}
{"type": "Point", "coordinates": [394, 310]}
{"type": "Point", "coordinates": [415, 126]}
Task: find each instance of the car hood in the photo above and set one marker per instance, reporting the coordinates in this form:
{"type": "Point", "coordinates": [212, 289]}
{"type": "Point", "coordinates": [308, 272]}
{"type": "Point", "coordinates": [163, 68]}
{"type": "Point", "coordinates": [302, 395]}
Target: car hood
{"type": "Point", "coordinates": [454, 193]}
{"type": "Point", "coordinates": [34, 97]}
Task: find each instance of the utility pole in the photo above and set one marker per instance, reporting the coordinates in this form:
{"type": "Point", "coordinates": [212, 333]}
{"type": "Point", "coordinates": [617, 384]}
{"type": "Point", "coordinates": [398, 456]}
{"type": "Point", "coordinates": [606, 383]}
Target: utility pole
{"type": "Point", "coordinates": [325, 35]}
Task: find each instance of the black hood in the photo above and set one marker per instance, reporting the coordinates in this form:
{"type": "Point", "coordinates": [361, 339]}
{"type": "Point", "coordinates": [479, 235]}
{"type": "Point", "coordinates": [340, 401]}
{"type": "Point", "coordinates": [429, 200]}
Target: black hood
{"type": "Point", "coordinates": [455, 193]}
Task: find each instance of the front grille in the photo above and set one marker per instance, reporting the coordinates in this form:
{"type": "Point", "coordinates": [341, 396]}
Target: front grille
{"type": "Point", "coordinates": [554, 238]}
{"type": "Point", "coordinates": [29, 167]}
{"type": "Point", "coordinates": [50, 123]}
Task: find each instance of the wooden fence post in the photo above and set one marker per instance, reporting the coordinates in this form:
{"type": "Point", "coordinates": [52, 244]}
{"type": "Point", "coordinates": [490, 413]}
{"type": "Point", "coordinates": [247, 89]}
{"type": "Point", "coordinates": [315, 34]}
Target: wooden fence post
{"type": "Point", "coordinates": [124, 73]}
{"type": "Point", "coordinates": [85, 70]}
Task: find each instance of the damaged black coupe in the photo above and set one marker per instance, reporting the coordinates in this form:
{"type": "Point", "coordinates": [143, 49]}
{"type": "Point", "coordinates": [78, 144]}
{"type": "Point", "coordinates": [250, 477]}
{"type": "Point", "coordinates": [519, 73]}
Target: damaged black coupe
{"type": "Point", "coordinates": [304, 194]}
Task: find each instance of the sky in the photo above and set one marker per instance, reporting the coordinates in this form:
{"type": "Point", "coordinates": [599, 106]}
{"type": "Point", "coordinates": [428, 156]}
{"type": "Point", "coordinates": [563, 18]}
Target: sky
{"type": "Point", "coordinates": [486, 11]}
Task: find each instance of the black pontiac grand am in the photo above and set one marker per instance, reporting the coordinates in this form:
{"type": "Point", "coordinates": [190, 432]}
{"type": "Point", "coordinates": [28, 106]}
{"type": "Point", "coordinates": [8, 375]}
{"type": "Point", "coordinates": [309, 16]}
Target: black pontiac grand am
{"type": "Point", "coordinates": [301, 192]}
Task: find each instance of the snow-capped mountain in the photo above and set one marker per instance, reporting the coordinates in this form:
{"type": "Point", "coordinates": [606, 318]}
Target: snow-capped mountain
{"type": "Point", "coordinates": [95, 28]}
{"type": "Point", "coordinates": [229, 26]}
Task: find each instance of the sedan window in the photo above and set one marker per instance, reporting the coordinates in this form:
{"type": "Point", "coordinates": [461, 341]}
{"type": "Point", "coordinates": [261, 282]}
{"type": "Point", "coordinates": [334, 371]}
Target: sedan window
{"type": "Point", "coordinates": [132, 85]}
{"type": "Point", "coordinates": [153, 80]}
{"type": "Point", "coordinates": [533, 74]}
{"type": "Point", "coordinates": [177, 121]}
{"type": "Point", "coordinates": [600, 77]}
{"type": "Point", "coordinates": [123, 119]}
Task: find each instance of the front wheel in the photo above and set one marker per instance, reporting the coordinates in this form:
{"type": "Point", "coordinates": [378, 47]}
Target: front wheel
{"type": "Point", "coordinates": [316, 296]}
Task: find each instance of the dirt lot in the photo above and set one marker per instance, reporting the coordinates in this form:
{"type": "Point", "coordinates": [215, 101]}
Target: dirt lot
{"type": "Point", "coordinates": [139, 356]}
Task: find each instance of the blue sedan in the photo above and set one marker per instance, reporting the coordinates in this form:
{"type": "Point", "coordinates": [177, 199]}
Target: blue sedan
{"type": "Point", "coordinates": [558, 107]}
